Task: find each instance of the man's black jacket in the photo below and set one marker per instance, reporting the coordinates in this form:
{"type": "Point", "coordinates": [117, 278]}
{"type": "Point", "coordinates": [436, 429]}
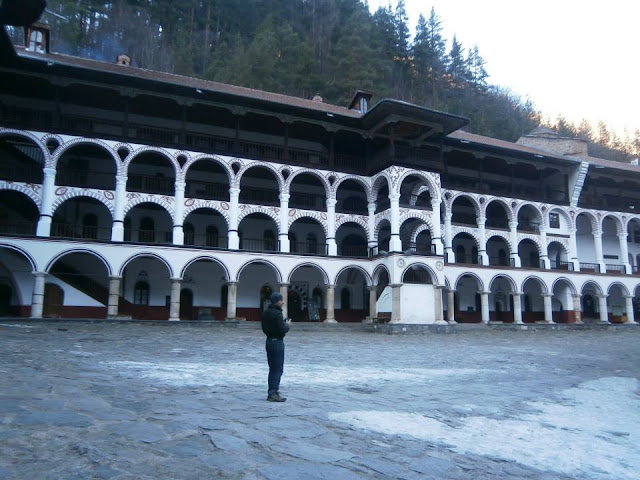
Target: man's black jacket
{"type": "Point", "coordinates": [273, 324]}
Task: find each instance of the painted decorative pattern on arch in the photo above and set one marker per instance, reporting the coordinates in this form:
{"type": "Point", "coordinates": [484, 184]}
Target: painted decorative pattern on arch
{"type": "Point", "coordinates": [134, 199]}
{"type": "Point", "coordinates": [272, 212]}
{"type": "Point", "coordinates": [192, 204]}
{"type": "Point", "coordinates": [320, 217]}
{"type": "Point", "coordinates": [31, 190]}
{"type": "Point", "coordinates": [69, 144]}
{"type": "Point", "coordinates": [361, 220]}
{"type": "Point", "coordinates": [62, 194]}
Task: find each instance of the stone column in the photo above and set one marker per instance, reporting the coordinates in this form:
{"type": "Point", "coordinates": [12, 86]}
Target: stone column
{"type": "Point", "coordinates": [331, 302]}
{"type": "Point", "coordinates": [232, 295]}
{"type": "Point", "coordinates": [37, 297]}
{"type": "Point", "coordinates": [577, 309]}
{"type": "Point", "coordinates": [437, 304]}
{"type": "Point", "coordinates": [628, 302]}
{"type": "Point", "coordinates": [448, 248]}
{"type": "Point", "coordinates": [114, 296]}
{"type": "Point", "coordinates": [117, 227]}
{"type": "Point", "coordinates": [232, 234]}
{"type": "Point", "coordinates": [332, 248]}
{"type": "Point", "coordinates": [573, 250]}
{"type": "Point", "coordinates": [284, 291]}
{"type": "Point", "coordinates": [373, 305]}
{"type": "Point", "coordinates": [544, 257]}
{"type": "Point", "coordinates": [395, 244]}
{"type": "Point", "coordinates": [396, 314]}
{"type": "Point", "coordinates": [451, 306]}
{"type": "Point", "coordinates": [371, 223]}
{"type": "Point", "coordinates": [46, 203]}
{"type": "Point", "coordinates": [484, 306]}
{"type": "Point", "coordinates": [548, 307]}
{"type": "Point", "coordinates": [174, 304]}
{"type": "Point", "coordinates": [283, 229]}
{"type": "Point", "coordinates": [482, 236]}
{"type": "Point", "coordinates": [513, 232]}
{"type": "Point", "coordinates": [436, 237]}
{"type": "Point", "coordinates": [597, 240]}
{"type": "Point", "coordinates": [178, 211]}
{"type": "Point", "coordinates": [624, 253]}
{"type": "Point", "coordinates": [517, 307]}
{"type": "Point", "coordinates": [602, 304]}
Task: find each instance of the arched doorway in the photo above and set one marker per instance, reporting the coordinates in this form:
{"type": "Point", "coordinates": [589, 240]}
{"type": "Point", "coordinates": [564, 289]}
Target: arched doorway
{"type": "Point", "coordinates": [53, 301]}
{"type": "Point", "coordinates": [294, 306]}
{"type": "Point", "coordinates": [186, 304]}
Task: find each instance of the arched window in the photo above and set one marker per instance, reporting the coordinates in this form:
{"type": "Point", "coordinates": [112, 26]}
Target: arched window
{"type": "Point", "coordinates": [90, 226]}
{"type": "Point", "coordinates": [212, 236]}
{"type": "Point", "coordinates": [189, 234]}
{"type": "Point", "coordinates": [147, 231]}
{"type": "Point", "coordinates": [141, 293]}
{"type": "Point", "coordinates": [345, 298]}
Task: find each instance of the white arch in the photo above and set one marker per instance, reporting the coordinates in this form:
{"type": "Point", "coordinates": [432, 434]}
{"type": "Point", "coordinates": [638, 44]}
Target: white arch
{"type": "Point", "coordinates": [204, 157]}
{"type": "Point", "coordinates": [28, 135]}
{"type": "Point", "coordinates": [586, 283]}
{"type": "Point", "coordinates": [79, 250]}
{"type": "Point", "coordinates": [534, 239]}
{"type": "Point", "coordinates": [272, 212]}
{"type": "Point", "coordinates": [206, 205]}
{"type": "Point", "coordinates": [323, 180]}
{"type": "Point", "coordinates": [514, 287]}
{"type": "Point", "coordinates": [617, 221]}
{"type": "Point", "coordinates": [309, 264]}
{"type": "Point", "coordinates": [65, 147]}
{"type": "Point", "coordinates": [30, 190]}
{"type": "Point", "coordinates": [144, 255]}
{"type": "Point", "coordinates": [432, 274]}
{"type": "Point", "coordinates": [478, 280]}
{"type": "Point", "coordinates": [24, 253]}
{"type": "Point", "coordinates": [623, 288]}
{"type": "Point", "coordinates": [319, 217]}
{"type": "Point", "coordinates": [536, 208]}
{"type": "Point", "coordinates": [419, 230]}
{"type": "Point", "coordinates": [365, 186]}
{"type": "Point", "coordinates": [532, 278]}
{"type": "Point", "coordinates": [367, 277]}
{"type": "Point", "coordinates": [71, 193]}
{"type": "Point", "coordinates": [434, 189]}
{"type": "Point", "coordinates": [378, 270]}
{"type": "Point", "coordinates": [264, 165]}
{"type": "Point", "coordinates": [357, 219]}
{"type": "Point", "coordinates": [161, 200]}
{"type": "Point", "coordinates": [504, 203]}
{"type": "Point", "coordinates": [572, 287]}
{"type": "Point", "coordinates": [147, 149]}
{"type": "Point", "coordinates": [260, 261]}
{"type": "Point", "coordinates": [496, 233]}
{"type": "Point", "coordinates": [205, 258]}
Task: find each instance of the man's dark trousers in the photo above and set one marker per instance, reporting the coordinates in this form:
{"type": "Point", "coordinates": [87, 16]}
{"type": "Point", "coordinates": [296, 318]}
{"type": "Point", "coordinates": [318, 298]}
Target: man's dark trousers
{"type": "Point", "coordinates": [275, 357]}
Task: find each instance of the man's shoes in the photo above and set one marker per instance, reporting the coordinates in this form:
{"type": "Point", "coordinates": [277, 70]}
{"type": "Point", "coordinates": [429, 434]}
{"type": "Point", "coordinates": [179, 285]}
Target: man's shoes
{"type": "Point", "coordinates": [275, 397]}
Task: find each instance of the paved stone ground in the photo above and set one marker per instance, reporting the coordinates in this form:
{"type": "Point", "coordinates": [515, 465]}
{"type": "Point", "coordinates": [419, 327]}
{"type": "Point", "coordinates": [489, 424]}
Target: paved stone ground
{"type": "Point", "coordinates": [137, 401]}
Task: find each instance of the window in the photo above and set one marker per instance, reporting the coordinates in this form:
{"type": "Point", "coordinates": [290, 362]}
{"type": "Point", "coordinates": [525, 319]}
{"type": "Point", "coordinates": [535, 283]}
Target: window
{"type": "Point", "coordinates": [141, 293]}
{"type": "Point", "coordinates": [554, 220]}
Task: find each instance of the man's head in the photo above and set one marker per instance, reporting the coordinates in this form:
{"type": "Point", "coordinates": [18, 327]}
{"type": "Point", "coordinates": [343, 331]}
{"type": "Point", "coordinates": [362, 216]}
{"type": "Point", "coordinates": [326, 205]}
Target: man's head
{"type": "Point", "coordinates": [275, 298]}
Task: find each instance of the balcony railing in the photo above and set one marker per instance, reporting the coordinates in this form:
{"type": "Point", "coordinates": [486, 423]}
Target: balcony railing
{"type": "Point", "coordinates": [590, 267]}
{"type": "Point", "coordinates": [259, 245]}
{"type": "Point", "coordinates": [20, 173]}
{"type": "Point", "coordinates": [464, 219]}
{"type": "Point", "coordinates": [418, 202]}
{"type": "Point", "coordinates": [427, 250]}
{"type": "Point", "coordinates": [497, 223]}
{"type": "Point", "coordinates": [206, 240]}
{"type": "Point", "coordinates": [529, 227]}
{"type": "Point", "coordinates": [81, 177]}
{"type": "Point", "coordinates": [561, 265]}
{"type": "Point", "coordinates": [148, 236]}
{"type": "Point", "coordinates": [307, 201]}
{"type": "Point", "coordinates": [207, 190]}
{"type": "Point", "coordinates": [502, 261]}
{"type": "Point", "coordinates": [612, 267]}
{"type": "Point", "coordinates": [308, 248]}
{"type": "Point", "coordinates": [469, 259]}
{"type": "Point", "coordinates": [21, 228]}
{"type": "Point", "coordinates": [150, 184]}
{"type": "Point", "coordinates": [259, 196]}
{"type": "Point", "coordinates": [86, 232]}
{"type": "Point", "coordinates": [353, 251]}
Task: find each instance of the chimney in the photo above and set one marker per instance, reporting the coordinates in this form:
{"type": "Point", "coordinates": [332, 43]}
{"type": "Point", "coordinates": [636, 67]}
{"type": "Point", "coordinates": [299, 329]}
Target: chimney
{"type": "Point", "coordinates": [123, 59]}
{"type": "Point", "coordinates": [360, 101]}
{"type": "Point", "coordinates": [36, 37]}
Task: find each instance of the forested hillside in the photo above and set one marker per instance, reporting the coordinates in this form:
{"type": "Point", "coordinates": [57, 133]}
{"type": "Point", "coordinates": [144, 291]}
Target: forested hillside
{"type": "Point", "coordinates": [309, 47]}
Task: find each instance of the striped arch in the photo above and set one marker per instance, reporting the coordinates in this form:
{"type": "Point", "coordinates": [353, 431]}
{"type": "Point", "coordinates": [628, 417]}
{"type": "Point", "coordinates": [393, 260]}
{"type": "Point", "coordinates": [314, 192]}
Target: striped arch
{"type": "Point", "coordinates": [29, 189]}
{"type": "Point", "coordinates": [320, 217]}
{"type": "Point", "coordinates": [67, 193]}
{"type": "Point", "coordinates": [180, 174]}
{"type": "Point", "coordinates": [409, 215]}
{"type": "Point", "coordinates": [572, 287]}
{"type": "Point", "coordinates": [623, 287]}
{"type": "Point", "coordinates": [367, 277]}
{"type": "Point", "coordinates": [535, 240]}
{"type": "Point", "coordinates": [434, 188]}
{"type": "Point", "coordinates": [586, 283]}
{"type": "Point", "coordinates": [255, 164]}
{"type": "Point", "coordinates": [40, 143]}
{"type": "Point", "coordinates": [208, 258]}
{"type": "Point", "coordinates": [271, 212]}
{"type": "Point", "coordinates": [315, 173]}
{"type": "Point", "coordinates": [341, 219]}
{"type": "Point", "coordinates": [618, 221]}
{"type": "Point", "coordinates": [162, 200]}
{"type": "Point", "coordinates": [472, 275]}
{"type": "Point", "coordinates": [362, 181]}
{"type": "Point", "coordinates": [143, 255]}
{"type": "Point", "coordinates": [203, 157]}
{"type": "Point", "coordinates": [378, 270]}
{"type": "Point", "coordinates": [561, 211]}
{"type": "Point", "coordinates": [63, 148]}
{"type": "Point", "coordinates": [595, 222]}
{"type": "Point", "coordinates": [24, 253]}
{"type": "Point", "coordinates": [79, 250]}
{"type": "Point", "coordinates": [507, 278]}
{"type": "Point", "coordinates": [472, 198]}
{"type": "Point", "coordinates": [147, 149]}
{"type": "Point", "coordinates": [214, 205]}
{"type": "Point", "coordinates": [376, 182]}
{"type": "Point", "coordinates": [561, 241]}
{"type": "Point", "coordinates": [264, 261]}
{"type": "Point", "coordinates": [508, 207]}
{"type": "Point", "coordinates": [312, 265]}
{"type": "Point", "coordinates": [537, 279]}
{"type": "Point", "coordinates": [469, 231]}
{"type": "Point", "coordinates": [629, 219]}
{"type": "Point", "coordinates": [419, 230]}
{"type": "Point", "coordinates": [434, 276]}
{"type": "Point", "coordinates": [505, 235]}
{"type": "Point", "coordinates": [535, 206]}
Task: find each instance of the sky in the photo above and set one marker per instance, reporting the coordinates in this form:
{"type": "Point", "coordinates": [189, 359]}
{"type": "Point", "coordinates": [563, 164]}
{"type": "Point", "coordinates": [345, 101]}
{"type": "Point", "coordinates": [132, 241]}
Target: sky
{"type": "Point", "coordinates": [578, 58]}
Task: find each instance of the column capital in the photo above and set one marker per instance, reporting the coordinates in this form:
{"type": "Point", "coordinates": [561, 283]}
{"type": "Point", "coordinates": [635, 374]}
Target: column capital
{"type": "Point", "coordinates": [39, 274]}
{"type": "Point", "coordinates": [372, 287]}
{"type": "Point", "coordinates": [231, 282]}
{"type": "Point", "coordinates": [284, 197]}
{"type": "Point", "coordinates": [576, 295]}
{"type": "Point", "coordinates": [234, 191]}
{"type": "Point", "coordinates": [623, 236]}
{"type": "Point", "coordinates": [628, 296]}
{"type": "Point", "coordinates": [331, 202]}
{"type": "Point", "coordinates": [175, 279]}
{"type": "Point", "coordinates": [394, 196]}
{"type": "Point", "coordinates": [115, 277]}
{"type": "Point", "coordinates": [121, 180]}
{"type": "Point", "coordinates": [484, 293]}
{"type": "Point", "coordinates": [284, 284]}
{"type": "Point", "coordinates": [180, 184]}
{"type": "Point", "coordinates": [602, 295]}
{"type": "Point", "coordinates": [597, 233]}
{"type": "Point", "coordinates": [516, 294]}
{"type": "Point", "coordinates": [547, 295]}
{"type": "Point", "coordinates": [49, 172]}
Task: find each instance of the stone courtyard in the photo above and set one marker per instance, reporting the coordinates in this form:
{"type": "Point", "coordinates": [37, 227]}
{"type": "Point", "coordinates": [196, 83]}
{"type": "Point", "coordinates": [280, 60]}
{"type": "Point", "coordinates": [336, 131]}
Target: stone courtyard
{"type": "Point", "coordinates": [111, 400]}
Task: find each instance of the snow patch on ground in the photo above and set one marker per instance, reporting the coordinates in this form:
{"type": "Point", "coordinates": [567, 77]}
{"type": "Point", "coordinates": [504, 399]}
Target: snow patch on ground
{"type": "Point", "coordinates": [13, 325]}
{"type": "Point", "coordinates": [253, 373]}
{"type": "Point", "coordinates": [591, 431]}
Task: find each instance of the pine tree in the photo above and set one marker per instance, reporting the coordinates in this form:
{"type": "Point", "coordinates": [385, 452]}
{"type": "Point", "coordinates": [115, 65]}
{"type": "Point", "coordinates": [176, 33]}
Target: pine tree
{"type": "Point", "coordinates": [429, 58]}
{"type": "Point", "coordinates": [456, 65]}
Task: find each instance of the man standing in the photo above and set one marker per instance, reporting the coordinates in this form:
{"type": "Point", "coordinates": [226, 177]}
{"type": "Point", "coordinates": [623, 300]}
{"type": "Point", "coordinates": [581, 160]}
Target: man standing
{"type": "Point", "coordinates": [275, 327]}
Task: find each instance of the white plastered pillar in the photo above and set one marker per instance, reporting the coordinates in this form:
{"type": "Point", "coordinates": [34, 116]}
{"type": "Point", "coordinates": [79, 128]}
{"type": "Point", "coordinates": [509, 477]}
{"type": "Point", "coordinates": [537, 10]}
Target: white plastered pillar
{"type": "Point", "coordinates": [232, 234]}
{"type": "Point", "coordinates": [284, 291]}
{"type": "Point", "coordinates": [331, 302]}
{"type": "Point", "coordinates": [396, 315]}
{"type": "Point", "coordinates": [332, 248]}
{"type": "Point", "coordinates": [628, 302]}
{"type": "Point", "coordinates": [395, 244]}
{"type": "Point", "coordinates": [436, 228]}
{"type": "Point", "coordinates": [573, 250]}
{"type": "Point", "coordinates": [120, 200]}
{"type": "Point", "coordinates": [178, 211]}
{"type": "Point", "coordinates": [482, 238]}
{"type": "Point", "coordinates": [283, 228]}
{"type": "Point", "coordinates": [517, 307]}
{"type": "Point", "coordinates": [577, 309]}
{"type": "Point", "coordinates": [597, 242]}
{"type": "Point", "coordinates": [438, 304]}
{"type": "Point", "coordinates": [232, 296]}
{"type": "Point", "coordinates": [513, 233]}
{"type": "Point", "coordinates": [174, 304]}
{"type": "Point", "coordinates": [373, 303]}
{"type": "Point", "coordinates": [371, 223]}
{"type": "Point", "coordinates": [114, 296]}
{"type": "Point", "coordinates": [624, 253]}
{"type": "Point", "coordinates": [448, 248]}
{"type": "Point", "coordinates": [46, 202]}
{"type": "Point", "coordinates": [37, 297]}
{"type": "Point", "coordinates": [544, 256]}
{"type": "Point", "coordinates": [602, 306]}
{"type": "Point", "coordinates": [484, 306]}
{"type": "Point", "coordinates": [451, 306]}
{"type": "Point", "coordinates": [548, 307]}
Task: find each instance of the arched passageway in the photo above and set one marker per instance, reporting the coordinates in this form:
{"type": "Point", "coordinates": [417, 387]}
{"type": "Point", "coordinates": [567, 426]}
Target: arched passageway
{"type": "Point", "coordinates": [468, 307]}
{"type": "Point", "coordinates": [145, 289]}
{"type": "Point", "coordinates": [16, 283]}
{"type": "Point", "coordinates": [351, 296]}
{"type": "Point", "coordinates": [18, 214]}
{"type": "Point", "coordinates": [256, 283]}
{"type": "Point", "coordinates": [307, 295]}
{"type": "Point", "coordinates": [83, 218]}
